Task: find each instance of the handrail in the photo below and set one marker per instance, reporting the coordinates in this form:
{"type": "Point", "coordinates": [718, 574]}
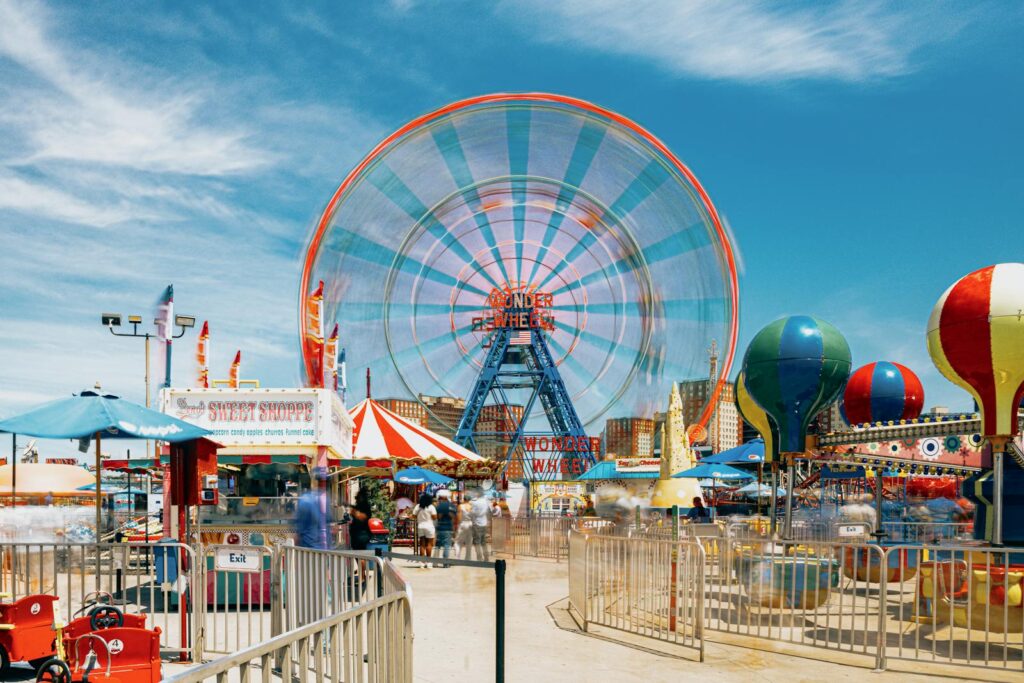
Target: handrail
{"type": "Point", "coordinates": [269, 648]}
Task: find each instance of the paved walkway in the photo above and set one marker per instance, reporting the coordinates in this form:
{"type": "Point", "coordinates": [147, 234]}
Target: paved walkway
{"type": "Point", "coordinates": [454, 636]}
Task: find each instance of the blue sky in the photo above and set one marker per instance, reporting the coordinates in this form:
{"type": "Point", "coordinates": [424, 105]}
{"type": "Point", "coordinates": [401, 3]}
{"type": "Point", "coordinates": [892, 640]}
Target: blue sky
{"type": "Point", "coordinates": [865, 155]}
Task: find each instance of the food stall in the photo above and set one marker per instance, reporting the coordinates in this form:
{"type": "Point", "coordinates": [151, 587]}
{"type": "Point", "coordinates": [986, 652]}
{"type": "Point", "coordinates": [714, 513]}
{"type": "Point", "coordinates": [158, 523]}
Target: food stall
{"type": "Point", "coordinates": [270, 438]}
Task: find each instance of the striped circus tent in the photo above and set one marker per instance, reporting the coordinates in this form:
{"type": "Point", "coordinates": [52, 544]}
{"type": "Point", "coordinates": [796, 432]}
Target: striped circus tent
{"type": "Point", "coordinates": [381, 434]}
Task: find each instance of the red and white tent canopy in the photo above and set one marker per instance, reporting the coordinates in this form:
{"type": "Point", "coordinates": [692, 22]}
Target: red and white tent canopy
{"type": "Point", "coordinates": [380, 433]}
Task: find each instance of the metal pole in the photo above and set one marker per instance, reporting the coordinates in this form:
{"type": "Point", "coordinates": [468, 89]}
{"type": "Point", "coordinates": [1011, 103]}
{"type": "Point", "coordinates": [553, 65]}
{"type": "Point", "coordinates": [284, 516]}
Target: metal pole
{"type": "Point", "coordinates": [99, 493]}
{"type": "Point", "coordinates": [772, 524]}
{"type": "Point", "coordinates": [14, 468]}
{"type": "Point", "coordinates": [787, 528]}
{"type": "Point", "coordinates": [879, 488]}
{"type": "Point", "coordinates": [499, 624]}
{"type": "Point", "coordinates": [997, 493]}
{"type": "Point", "coordinates": [149, 444]}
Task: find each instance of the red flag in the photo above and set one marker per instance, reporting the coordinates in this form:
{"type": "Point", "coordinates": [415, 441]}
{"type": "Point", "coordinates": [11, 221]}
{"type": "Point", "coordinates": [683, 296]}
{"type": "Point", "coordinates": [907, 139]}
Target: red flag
{"type": "Point", "coordinates": [331, 360]}
{"type": "Point", "coordinates": [315, 334]}
{"type": "Point", "coordinates": [235, 368]}
{"type": "Point", "coordinates": [203, 356]}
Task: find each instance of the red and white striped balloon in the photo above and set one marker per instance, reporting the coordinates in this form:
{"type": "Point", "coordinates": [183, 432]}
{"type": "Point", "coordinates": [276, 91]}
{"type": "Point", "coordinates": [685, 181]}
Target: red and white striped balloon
{"type": "Point", "coordinates": [976, 339]}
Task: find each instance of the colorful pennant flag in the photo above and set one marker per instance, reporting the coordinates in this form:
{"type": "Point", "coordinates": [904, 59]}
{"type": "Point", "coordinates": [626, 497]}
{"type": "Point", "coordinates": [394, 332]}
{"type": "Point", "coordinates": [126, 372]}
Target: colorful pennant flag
{"type": "Point", "coordinates": [165, 330]}
{"type": "Point", "coordinates": [315, 335]}
{"type": "Point", "coordinates": [330, 378]}
{"type": "Point", "coordinates": [203, 356]}
{"type": "Point", "coordinates": [235, 369]}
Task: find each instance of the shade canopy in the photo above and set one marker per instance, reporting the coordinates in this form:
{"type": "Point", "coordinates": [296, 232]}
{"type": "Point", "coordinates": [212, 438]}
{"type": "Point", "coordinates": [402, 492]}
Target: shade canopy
{"type": "Point", "coordinates": [750, 452]}
{"type": "Point", "coordinates": [417, 476]}
{"type": "Point", "coordinates": [380, 433]}
{"type": "Point", "coordinates": [605, 470]}
{"type": "Point", "coordinates": [704, 471]}
{"type": "Point", "coordinates": [42, 478]}
{"type": "Point", "coordinates": [81, 416]}
{"type": "Point", "coordinates": [755, 490]}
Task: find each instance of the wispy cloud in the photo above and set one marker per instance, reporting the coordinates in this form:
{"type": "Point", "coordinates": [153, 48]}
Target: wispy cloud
{"type": "Point", "coordinates": [87, 110]}
{"type": "Point", "coordinates": [750, 41]}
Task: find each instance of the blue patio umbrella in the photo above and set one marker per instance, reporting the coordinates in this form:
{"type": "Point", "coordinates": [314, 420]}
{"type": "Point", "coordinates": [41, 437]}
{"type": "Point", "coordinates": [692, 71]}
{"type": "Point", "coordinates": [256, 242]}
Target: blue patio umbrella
{"type": "Point", "coordinates": [91, 414]}
{"type": "Point", "coordinates": [723, 472]}
{"type": "Point", "coordinates": [755, 490]}
{"type": "Point", "coordinates": [751, 452]}
{"type": "Point", "coordinates": [417, 476]}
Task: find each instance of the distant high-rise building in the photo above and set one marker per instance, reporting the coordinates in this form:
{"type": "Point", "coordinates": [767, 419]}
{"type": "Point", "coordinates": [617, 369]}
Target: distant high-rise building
{"type": "Point", "coordinates": [725, 428]}
{"type": "Point", "coordinates": [443, 413]}
{"type": "Point", "coordinates": [502, 419]}
{"type": "Point", "coordinates": [629, 437]}
{"type": "Point", "coordinates": [411, 409]}
{"type": "Point", "coordinates": [830, 420]}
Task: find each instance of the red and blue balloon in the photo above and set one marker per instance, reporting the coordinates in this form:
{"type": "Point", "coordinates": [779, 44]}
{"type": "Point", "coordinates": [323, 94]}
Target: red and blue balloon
{"type": "Point", "coordinates": [882, 392]}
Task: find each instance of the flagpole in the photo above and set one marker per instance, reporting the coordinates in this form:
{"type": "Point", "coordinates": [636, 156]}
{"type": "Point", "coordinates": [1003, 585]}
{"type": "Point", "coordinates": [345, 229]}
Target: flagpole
{"type": "Point", "coordinates": [99, 500]}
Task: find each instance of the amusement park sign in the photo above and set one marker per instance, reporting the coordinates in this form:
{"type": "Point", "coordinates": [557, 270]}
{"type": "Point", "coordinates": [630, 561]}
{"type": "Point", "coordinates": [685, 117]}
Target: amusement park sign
{"type": "Point", "coordinates": [517, 308]}
{"type": "Point", "coordinates": [266, 417]}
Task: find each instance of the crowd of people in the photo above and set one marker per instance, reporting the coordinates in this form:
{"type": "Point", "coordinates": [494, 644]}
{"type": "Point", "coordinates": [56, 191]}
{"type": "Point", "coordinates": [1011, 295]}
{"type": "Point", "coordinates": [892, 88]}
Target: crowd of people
{"type": "Point", "coordinates": [454, 527]}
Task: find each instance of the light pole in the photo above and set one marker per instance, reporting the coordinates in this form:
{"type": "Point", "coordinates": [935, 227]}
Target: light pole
{"type": "Point", "coordinates": [112, 320]}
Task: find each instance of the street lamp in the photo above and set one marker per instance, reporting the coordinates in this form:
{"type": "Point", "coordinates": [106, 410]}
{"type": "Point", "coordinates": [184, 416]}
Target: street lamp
{"type": "Point", "coordinates": [112, 320]}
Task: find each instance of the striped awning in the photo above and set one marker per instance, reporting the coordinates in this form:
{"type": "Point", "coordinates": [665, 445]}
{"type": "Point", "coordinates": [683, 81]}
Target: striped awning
{"type": "Point", "coordinates": [380, 433]}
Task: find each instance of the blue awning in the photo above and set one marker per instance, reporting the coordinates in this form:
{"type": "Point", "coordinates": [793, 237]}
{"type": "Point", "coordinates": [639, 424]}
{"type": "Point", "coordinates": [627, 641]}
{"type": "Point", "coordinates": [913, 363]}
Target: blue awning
{"type": "Point", "coordinates": [605, 470]}
{"type": "Point", "coordinates": [751, 452]}
{"type": "Point", "coordinates": [82, 416]}
{"type": "Point", "coordinates": [704, 471]}
{"type": "Point", "coordinates": [416, 476]}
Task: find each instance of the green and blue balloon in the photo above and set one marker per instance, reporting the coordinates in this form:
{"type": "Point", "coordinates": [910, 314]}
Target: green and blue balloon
{"type": "Point", "coordinates": [794, 368]}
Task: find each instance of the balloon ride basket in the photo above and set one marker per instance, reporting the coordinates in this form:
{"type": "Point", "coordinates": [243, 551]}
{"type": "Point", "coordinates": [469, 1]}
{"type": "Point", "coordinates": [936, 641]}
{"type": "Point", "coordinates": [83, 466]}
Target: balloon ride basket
{"type": "Point", "coordinates": [793, 580]}
{"type": "Point", "coordinates": [898, 564]}
{"type": "Point", "coordinates": [967, 592]}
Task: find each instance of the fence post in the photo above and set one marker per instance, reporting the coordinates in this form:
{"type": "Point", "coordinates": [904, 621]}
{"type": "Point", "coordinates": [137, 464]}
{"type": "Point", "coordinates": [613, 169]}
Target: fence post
{"type": "Point", "coordinates": [883, 605]}
{"type": "Point", "coordinates": [499, 625]}
{"type": "Point", "coordinates": [377, 569]}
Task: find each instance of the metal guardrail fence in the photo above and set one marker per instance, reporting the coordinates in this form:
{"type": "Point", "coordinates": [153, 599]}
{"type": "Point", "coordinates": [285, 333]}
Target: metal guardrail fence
{"type": "Point", "coordinates": [155, 579]}
{"type": "Point", "coordinates": [371, 642]}
{"type": "Point", "coordinates": [945, 603]}
{"type": "Point", "coordinates": [647, 587]}
{"type": "Point", "coordinates": [319, 583]}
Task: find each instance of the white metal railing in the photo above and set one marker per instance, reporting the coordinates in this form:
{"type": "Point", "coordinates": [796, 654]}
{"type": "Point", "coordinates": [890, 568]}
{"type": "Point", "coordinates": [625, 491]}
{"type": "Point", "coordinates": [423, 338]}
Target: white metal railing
{"type": "Point", "coordinates": [341, 579]}
{"type": "Point", "coordinates": [922, 602]}
{"type": "Point", "coordinates": [371, 642]}
{"type": "Point", "coordinates": [926, 532]}
{"type": "Point", "coordinates": [652, 588]}
{"type": "Point", "coordinates": [156, 579]}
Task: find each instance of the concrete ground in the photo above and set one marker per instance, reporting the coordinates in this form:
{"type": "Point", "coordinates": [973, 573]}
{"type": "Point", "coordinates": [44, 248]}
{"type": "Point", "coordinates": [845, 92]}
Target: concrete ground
{"type": "Point", "coordinates": [453, 613]}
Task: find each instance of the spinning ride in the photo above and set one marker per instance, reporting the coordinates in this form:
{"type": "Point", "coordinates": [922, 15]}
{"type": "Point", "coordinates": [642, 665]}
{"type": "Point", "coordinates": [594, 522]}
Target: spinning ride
{"type": "Point", "coordinates": [527, 193]}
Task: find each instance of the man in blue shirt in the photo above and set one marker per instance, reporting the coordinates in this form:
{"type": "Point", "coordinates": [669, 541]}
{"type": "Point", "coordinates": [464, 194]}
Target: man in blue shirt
{"type": "Point", "coordinates": [311, 514]}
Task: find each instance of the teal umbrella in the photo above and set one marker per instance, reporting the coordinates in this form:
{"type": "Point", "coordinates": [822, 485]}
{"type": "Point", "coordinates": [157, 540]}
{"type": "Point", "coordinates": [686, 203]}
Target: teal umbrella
{"type": "Point", "coordinates": [708, 471]}
{"type": "Point", "coordinates": [417, 476]}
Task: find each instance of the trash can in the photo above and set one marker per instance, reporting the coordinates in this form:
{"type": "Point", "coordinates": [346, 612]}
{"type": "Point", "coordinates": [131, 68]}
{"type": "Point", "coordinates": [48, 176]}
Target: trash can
{"type": "Point", "coordinates": [165, 555]}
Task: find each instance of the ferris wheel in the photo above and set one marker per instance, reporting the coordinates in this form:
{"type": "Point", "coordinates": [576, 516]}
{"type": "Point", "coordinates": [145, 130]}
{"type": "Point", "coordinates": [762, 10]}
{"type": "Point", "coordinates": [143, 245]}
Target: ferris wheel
{"type": "Point", "coordinates": [526, 192]}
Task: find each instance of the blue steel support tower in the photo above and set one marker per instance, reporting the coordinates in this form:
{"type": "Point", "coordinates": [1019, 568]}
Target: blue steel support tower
{"type": "Point", "coordinates": [513, 363]}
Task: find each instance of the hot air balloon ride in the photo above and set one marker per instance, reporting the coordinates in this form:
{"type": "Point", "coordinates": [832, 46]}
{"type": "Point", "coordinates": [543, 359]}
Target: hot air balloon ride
{"type": "Point", "coordinates": [976, 340]}
{"type": "Point", "coordinates": [757, 418]}
{"type": "Point", "coordinates": [794, 368]}
{"type": "Point", "coordinates": [882, 392]}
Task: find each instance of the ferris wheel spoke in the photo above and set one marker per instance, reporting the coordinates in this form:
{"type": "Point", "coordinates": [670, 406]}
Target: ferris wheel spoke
{"type": "Point", "coordinates": [587, 143]}
{"type": "Point", "coordinates": [517, 120]}
{"type": "Point", "coordinates": [573, 364]}
{"type": "Point", "coordinates": [710, 309]}
{"type": "Point", "coordinates": [353, 244]}
{"type": "Point", "coordinates": [392, 187]}
{"type": "Point", "coordinates": [673, 246]}
{"type": "Point", "coordinates": [446, 139]}
{"type": "Point", "coordinates": [363, 311]}
{"type": "Point", "coordinates": [648, 180]}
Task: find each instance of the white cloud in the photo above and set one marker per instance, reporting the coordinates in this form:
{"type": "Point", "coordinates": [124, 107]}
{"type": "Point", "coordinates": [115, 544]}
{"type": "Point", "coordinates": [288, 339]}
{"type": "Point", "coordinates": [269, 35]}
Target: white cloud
{"type": "Point", "coordinates": [745, 40]}
{"type": "Point", "coordinates": [85, 110]}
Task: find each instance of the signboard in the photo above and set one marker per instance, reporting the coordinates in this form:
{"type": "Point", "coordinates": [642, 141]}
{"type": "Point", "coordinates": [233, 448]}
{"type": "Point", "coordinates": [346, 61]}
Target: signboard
{"type": "Point", "coordinates": [236, 558]}
{"type": "Point", "coordinates": [265, 417]}
{"type": "Point", "coordinates": [637, 465]}
{"type": "Point", "coordinates": [848, 530]}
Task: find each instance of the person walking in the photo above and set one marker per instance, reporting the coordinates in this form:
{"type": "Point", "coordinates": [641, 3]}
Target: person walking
{"type": "Point", "coordinates": [311, 513]}
{"type": "Point", "coordinates": [445, 526]}
{"type": "Point", "coordinates": [464, 527]}
{"type": "Point", "coordinates": [359, 527]}
{"type": "Point", "coordinates": [480, 514]}
{"type": "Point", "coordinates": [425, 515]}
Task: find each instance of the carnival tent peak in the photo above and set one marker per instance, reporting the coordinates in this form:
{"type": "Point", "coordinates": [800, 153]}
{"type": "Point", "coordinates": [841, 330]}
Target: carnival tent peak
{"type": "Point", "coordinates": [713, 472]}
{"type": "Point", "coordinates": [380, 433]}
{"type": "Point", "coordinates": [750, 452]}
